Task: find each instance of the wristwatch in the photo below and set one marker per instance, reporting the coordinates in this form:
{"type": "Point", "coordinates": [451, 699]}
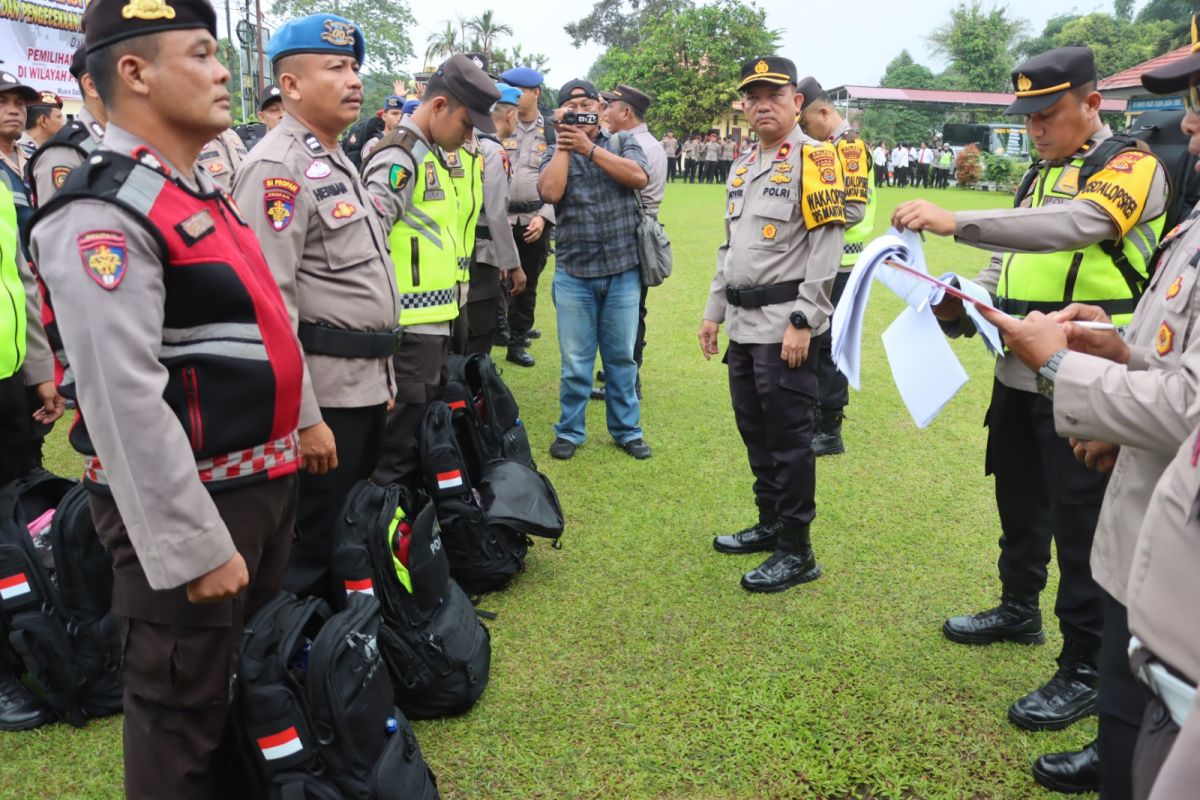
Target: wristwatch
{"type": "Point", "coordinates": [798, 320]}
{"type": "Point", "coordinates": [1048, 372]}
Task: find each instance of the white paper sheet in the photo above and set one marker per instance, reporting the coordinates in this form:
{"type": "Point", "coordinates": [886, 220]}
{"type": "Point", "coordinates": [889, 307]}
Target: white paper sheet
{"type": "Point", "coordinates": [925, 369]}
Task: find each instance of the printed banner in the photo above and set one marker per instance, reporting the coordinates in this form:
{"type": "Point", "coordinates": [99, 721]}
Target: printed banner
{"type": "Point", "coordinates": [37, 40]}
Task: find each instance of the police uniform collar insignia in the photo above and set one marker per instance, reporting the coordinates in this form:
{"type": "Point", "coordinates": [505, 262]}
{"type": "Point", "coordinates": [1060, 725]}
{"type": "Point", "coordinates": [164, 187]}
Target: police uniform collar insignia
{"type": "Point", "coordinates": [785, 150]}
{"type": "Point", "coordinates": [144, 156]}
{"type": "Point", "coordinates": [338, 33]}
{"type": "Point", "coordinates": [1165, 340]}
{"type": "Point", "coordinates": [317, 170]}
{"type": "Point", "coordinates": [97, 130]}
{"type": "Point", "coordinates": [147, 9]}
{"type": "Point", "coordinates": [279, 201]}
{"type": "Point", "coordinates": [783, 167]}
{"type": "Point", "coordinates": [736, 182]}
{"type": "Point", "coordinates": [1024, 84]}
{"type": "Point", "coordinates": [103, 254]}
{"type": "Point", "coordinates": [1175, 288]}
{"type": "Point", "coordinates": [740, 171]}
{"type": "Point", "coordinates": [313, 143]}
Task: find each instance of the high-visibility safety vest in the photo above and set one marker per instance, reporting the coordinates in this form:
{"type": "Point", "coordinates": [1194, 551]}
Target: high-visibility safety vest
{"type": "Point", "coordinates": [424, 241]}
{"type": "Point", "coordinates": [466, 171]}
{"type": "Point", "coordinates": [12, 291]}
{"type": "Point", "coordinates": [1108, 274]}
{"type": "Point", "coordinates": [856, 167]}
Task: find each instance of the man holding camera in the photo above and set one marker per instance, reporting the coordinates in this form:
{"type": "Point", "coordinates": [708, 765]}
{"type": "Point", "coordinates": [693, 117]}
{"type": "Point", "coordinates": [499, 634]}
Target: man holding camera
{"type": "Point", "coordinates": [592, 179]}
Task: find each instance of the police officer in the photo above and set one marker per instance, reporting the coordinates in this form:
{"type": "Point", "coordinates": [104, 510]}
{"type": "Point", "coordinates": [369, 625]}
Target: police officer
{"type": "Point", "coordinates": [222, 156]}
{"type": "Point", "coordinates": [784, 223]}
{"type": "Point", "coordinates": [393, 110]}
{"type": "Point", "coordinates": [820, 120]}
{"type": "Point", "coordinates": [50, 165]}
{"type": "Point", "coordinates": [328, 251]}
{"type": "Point", "coordinates": [189, 436]}
{"type": "Point", "coordinates": [410, 181]}
{"type": "Point", "coordinates": [1137, 393]}
{"type": "Point", "coordinates": [1076, 235]}
{"type": "Point", "coordinates": [43, 119]}
{"type": "Point", "coordinates": [270, 107]}
{"type": "Point", "coordinates": [530, 217]}
{"type": "Point", "coordinates": [495, 254]}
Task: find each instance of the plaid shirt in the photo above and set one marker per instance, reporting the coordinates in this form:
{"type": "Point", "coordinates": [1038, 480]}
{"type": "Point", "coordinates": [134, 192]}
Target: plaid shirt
{"type": "Point", "coordinates": [596, 230]}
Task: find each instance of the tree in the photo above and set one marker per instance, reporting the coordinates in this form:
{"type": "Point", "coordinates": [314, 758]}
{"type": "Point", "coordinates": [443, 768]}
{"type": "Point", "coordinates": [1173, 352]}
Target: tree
{"type": "Point", "coordinates": [1044, 42]}
{"type": "Point", "coordinates": [487, 31]}
{"type": "Point", "coordinates": [1118, 44]}
{"type": "Point", "coordinates": [979, 45]}
{"type": "Point", "coordinates": [384, 26]}
{"type": "Point", "coordinates": [614, 26]}
{"type": "Point", "coordinates": [502, 60]}
{"type": "Point", "coordinates": [1123, 10]}
{"type": "Point", "coordinates": [229, 55]}
{"type": "Point", "coordinates": [689, 61]}
{"type": "Point", "coordinates": [897, 122]}
{"type": "Point", "coordinates": [444, 43]}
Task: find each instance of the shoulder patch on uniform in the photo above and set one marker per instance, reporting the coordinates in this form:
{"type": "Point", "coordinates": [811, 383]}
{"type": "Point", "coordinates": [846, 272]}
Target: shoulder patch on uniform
{"type": "Point", "coordinates": [104, 257]}
{"type": "Point", "coordinates": [312, 143]}
{"type": "Point", "coordinates": [317, 170]}
{"type": "Point", "coordinates": [58, 176]}
{"type": "Point", "coordinates": [822, 192]}
{"type": "Point", "coordinates": [1121, 188]}
{"type": "Point", "coordinates": [1124, 162]}
{"type": "Point", "coordinates": [398, 178]}
{"type": "Point", "coordinates": [344, 210]}
{"type": "Point", "coordinates": [196, 227]}
{"type": "Point", "coordinates": [279, 201]}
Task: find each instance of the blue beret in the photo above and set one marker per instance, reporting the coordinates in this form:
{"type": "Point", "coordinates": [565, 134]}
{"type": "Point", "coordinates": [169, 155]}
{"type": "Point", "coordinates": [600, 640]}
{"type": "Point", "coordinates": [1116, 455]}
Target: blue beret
{"type": "Point", "coordinates": [318, 33]}
{"type": "Point", "coordinates": [508, 94]}
{"type": "Point", "coordinates": [392, 101]}
{"type": "Point", "coordinates": [411, 105]}
{"type": "Point", "coordinates": [523, 77]}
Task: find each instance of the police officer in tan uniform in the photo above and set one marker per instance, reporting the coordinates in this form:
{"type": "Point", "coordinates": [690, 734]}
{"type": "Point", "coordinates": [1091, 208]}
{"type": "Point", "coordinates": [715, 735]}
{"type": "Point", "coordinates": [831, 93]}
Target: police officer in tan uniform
{"type": "Point", "coordinates": [1073, 237]}
{"type": "Point", "coordinates": [49, 167]}
{"type": "Point", "coordinates": [785, 221]}
{"type": "Point", "coordinates": [323, 239]}
{"type": "Point", "coordinates": [189, 434]}
{"type": "Point", "coordinates": [270, 107]}
{"type": "Point", "coordinates": [531, 219]}
{"type": "Point", "coordinates": [1128, 402]}
{"type": "Point", "coordinates": [222, 156]}
{"type": "Point", "coordinates": [458, 100]}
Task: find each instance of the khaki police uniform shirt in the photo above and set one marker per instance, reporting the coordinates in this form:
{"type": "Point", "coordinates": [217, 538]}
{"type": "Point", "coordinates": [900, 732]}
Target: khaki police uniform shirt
{"type": "Point", "coordinates": [221, 157]}
{"type": "Point", "coordinates": [670, 146]}
{"type": "Point", "coordinates": [656, 168]}
{"type": "Point", "coordinates": [712, 151]}
{"type": "Point", "coordinates": [112, 340]}
{"type": "Point", "coordinates": [1067, 225]}
{"type": "Point", "coordinates": [500, 250]}
{"type": "Point", "coordinates": [328, 252]}
{"type": "Point", "coordinates": [56, 161]}
{"type": "Point", "coordinates": [395, 202]}
{"type": "Point", "coordinates": [1147, 407]}
{"type": "Point", "coordinates": [525, 148]}
{"type": "Point", "coordinates": [767, 242]}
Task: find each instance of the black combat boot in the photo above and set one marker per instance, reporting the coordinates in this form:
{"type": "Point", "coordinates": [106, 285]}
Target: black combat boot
{"type": "Point", "coordinates": [1016, 619]}
{"type": "Point", "coordinates": [20, 708]}
{"type": "Point", "coordinates": [1070, 773]}
{"type": "Point", "coordinates": [791, 564]}
{"type": "Point", "coordinates": [827, 441]}
{"type": "Point", "coordinates": [1069, 696]}
{"type": "Point", "coordinates": [501, 333]}
{"type": "Point", "coordinates": [760, 538]}
{"type": "Point", "coordinates": [517, 354]}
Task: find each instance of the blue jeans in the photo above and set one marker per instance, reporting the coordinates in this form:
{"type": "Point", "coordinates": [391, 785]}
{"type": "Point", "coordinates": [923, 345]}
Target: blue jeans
{"type": "Point", "coordinates": [603, 313]}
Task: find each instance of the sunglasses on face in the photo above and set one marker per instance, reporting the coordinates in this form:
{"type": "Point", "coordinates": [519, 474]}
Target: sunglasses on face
{"type": "Point", "coordinates": [1191, 99]}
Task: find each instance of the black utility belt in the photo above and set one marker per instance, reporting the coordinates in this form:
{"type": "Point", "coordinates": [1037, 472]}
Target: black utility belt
{"type": "Point", "coordinates": [324, 340]}
{"type": "Point", "coordinates": [525, 208]}
{"type": "Point", "coordinates": [1023, 308]}
{"type": "Point", "coordinates": [483, 233]}
{"type": "Point", "coordinates": [759, 296]}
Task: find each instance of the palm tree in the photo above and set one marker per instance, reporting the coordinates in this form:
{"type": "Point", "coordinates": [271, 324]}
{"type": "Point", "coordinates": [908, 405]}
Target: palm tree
{"type": "Point", "coordinates": [443, 44]}
{"type": "Point", "coordinates": [487, 30]}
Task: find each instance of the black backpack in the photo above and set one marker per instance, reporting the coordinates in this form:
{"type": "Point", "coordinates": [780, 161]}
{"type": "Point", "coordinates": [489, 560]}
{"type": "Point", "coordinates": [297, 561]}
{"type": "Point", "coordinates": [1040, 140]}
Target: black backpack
{"type": "Point", "coordinates": [313, 711]}
{"type": "Point", "coordinates": [501, 432]}
{"type": "Point", "coordinates": [436, 650]}
{"type": "Point", "coordinates": [358, 135]}
{"type": "Point", "coordinates": [56, 598]}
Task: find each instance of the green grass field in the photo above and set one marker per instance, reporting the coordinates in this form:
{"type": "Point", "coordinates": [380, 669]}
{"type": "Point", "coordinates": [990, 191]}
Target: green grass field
{"type": "Point", "coordinates": [631, 664]}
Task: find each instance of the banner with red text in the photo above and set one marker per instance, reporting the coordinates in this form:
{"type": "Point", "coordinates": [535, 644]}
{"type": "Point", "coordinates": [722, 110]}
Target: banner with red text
{"type": "Point", "coordinates": [37, 40]}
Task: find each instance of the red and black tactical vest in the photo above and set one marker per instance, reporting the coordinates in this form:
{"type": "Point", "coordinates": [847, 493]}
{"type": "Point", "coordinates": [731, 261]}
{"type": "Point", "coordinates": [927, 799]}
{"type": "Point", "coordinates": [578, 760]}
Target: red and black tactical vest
{"type": "Point", "coordinates": [230, 351]}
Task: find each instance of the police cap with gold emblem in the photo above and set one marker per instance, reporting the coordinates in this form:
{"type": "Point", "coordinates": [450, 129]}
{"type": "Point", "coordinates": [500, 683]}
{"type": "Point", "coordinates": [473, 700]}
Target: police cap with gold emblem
{"type": "Point", "coordinates": [1041, 81]}
{"type": "Point", "coordinates": [271, 94]}
{"type": "Point", "coordinates": [107, 22]}
{"type": "Point", "coordinates": [462, 78]}
{"type": "Point", "coordinates": [318, 33]}
{"type": "Point", "coordinates": [638, 100]}
{"type": "Point", "coordinates": [1176, 76]}
{"type": "Point", "coordinates": [768, 69]}
{"type": "Point", "coordinates": [47, 99]}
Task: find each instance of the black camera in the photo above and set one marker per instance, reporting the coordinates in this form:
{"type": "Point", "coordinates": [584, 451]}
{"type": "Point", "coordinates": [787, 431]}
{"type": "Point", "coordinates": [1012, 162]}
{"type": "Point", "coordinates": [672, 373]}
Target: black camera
{"type": "Point", "coordinates": [579, 118]}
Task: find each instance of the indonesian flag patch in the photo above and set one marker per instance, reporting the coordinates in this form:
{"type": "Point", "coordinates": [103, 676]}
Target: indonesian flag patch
{"type": "Point", "coordinates": [450, 480]}
{"type": "Point", "coordinates": [365, 586]}
{"type": "Point", "coordinates": [280, 745]}
{"type": "Point", "coordinates": [14, 586]}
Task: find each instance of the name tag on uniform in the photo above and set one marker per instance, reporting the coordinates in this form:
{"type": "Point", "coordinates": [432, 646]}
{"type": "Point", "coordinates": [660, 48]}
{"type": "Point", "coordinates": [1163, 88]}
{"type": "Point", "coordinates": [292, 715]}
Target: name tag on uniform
{"type": "Point", "coordinates": [433, 190]}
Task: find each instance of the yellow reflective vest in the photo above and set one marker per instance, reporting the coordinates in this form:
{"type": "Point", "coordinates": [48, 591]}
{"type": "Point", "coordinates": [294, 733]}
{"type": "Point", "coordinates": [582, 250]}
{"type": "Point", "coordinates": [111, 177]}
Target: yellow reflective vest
{"type": "Point", "coordinates": [856, 171]}
{"type": "Point", "coordinates": [12, 291]}
{"type": "Point", "coordinates": [1108, 274]}
{"type": "Point", "coordinates": [466, 171]}
{"type": "Point", "coordinates": [423, 242]}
